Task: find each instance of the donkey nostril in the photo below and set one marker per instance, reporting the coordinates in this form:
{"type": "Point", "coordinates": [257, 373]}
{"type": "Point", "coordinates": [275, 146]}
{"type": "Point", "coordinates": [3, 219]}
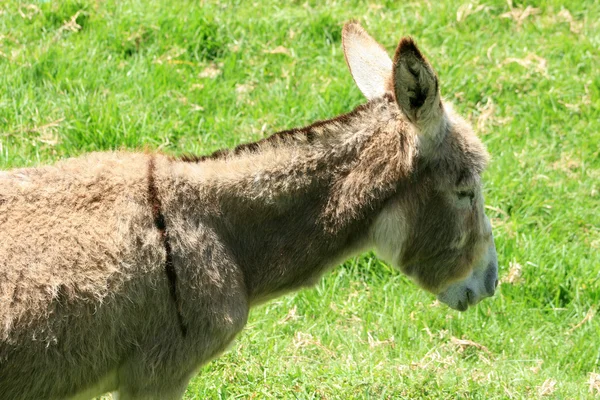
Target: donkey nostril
{"type": "Point", "coordinates": [470, 296]}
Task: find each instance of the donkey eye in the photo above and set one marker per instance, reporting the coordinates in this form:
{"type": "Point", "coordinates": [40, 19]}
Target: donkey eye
{"type": "Point", "coordinates": [463, 194]}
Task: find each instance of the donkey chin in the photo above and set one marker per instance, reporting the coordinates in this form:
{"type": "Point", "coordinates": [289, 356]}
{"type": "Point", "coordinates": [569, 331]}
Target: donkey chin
{"type": "Point", "coordinates": [479, 284]}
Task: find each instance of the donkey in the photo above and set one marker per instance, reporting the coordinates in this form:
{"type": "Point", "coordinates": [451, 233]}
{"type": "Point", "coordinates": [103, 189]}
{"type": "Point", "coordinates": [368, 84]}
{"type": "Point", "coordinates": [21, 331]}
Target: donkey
{"type": "Point", "coordinates": [126, 272]}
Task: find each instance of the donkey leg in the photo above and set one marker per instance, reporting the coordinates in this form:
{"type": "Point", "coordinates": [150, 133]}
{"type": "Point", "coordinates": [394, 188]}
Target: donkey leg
{"type": "Point", "coordinates": [140, 379]}
{"type": "Point", "coordinates": [167, 391]}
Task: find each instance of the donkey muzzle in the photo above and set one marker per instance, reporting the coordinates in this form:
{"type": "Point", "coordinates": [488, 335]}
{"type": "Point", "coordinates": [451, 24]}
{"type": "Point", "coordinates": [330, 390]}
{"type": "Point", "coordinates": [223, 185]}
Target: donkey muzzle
{"type": "Point", "coordinates": [481, 283]}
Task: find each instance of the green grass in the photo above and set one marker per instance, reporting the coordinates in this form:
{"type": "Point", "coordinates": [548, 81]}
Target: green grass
{"type": "Point", "coordinates": [136, 74]}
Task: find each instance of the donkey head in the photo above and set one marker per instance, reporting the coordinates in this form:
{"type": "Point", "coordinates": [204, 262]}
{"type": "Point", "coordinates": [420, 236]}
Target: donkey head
{"type": "Point", "coordinates": [435, 228]}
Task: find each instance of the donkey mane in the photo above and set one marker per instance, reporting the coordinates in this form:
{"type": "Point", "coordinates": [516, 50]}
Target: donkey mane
{"type": "Point", "coordinates": [306, 134]}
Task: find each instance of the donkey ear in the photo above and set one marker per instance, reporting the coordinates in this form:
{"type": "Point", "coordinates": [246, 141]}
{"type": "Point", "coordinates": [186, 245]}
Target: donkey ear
{"type": "Point", "coordinates": [416, 86]}
{"type": "Point", "coordinates": [369, 63]}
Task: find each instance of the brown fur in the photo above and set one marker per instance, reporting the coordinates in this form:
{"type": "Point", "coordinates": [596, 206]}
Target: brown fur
{"type": "Point", "coordinates": [126, 271]}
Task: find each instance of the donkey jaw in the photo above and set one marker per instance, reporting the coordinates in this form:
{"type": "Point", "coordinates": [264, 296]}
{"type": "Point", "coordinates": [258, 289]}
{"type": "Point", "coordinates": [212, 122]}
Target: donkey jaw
{"type": "Point", "coordinates": [480, 284]}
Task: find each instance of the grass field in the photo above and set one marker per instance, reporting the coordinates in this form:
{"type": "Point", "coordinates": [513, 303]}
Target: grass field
{"type": "Point", "coordinates": [183, 76]}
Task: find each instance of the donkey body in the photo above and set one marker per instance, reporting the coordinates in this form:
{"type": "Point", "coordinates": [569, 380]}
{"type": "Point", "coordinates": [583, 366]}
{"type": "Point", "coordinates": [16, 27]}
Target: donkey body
{"type": "Point", "coordinates": [126, 272]}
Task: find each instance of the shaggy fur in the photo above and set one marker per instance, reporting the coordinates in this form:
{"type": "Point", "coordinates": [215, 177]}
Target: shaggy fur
{"type": "Point", "coordinates": [128, 271]}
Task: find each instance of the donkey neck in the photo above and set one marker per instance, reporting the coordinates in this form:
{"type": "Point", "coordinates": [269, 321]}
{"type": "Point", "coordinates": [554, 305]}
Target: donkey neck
{"type": "Point", "coordinates": [301, 200]}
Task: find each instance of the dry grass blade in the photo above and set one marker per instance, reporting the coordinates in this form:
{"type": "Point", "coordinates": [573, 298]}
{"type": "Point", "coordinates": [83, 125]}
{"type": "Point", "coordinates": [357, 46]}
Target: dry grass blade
{"type": "Point", "coordinates": [243, 88]}
{"type": "Point", "coordinates": [29, 11]}
{"type": "Point", "coordinates": [466, 343]}
{"type": "Point", "coordinates": [594, 382]}
{"type": "Point", "coordinates": [170, 57]}
{"type": "Point", "coordinates": [376, 343]}
{"type": "Point", "coordinates": [467, 9]}
{"type": "Point", "coordinates": [588, 316]}
{"type": "Point", "coordinates": [302, 340]}
{"type": "Point", "coordinates": [211, 72]}
{"type": "Point", "coordinates": [487, 112]}
{"type": "Point", "coordinates": [498, 210]}
{"type": "Point", "coordinates": [291, 316]}
{"type": "Point", "coordinates": [574, 26]}
{"type": "Point", "coordinates": [38, 130]}
{"type": "Point", "coordinates": [547, 388]}
{"type": "Point", "coordinates": [531, 61]}
{"type": "Point", "coordinates": [71, 24]}
{"type": "Point", "coordinates": [278, 50]}
{"type": "Point", "coordinates": [42, 128]}
{"type": "Point", "coordinates": [515, 273]}
{"type": "Point", "coordinates": [520, 15]}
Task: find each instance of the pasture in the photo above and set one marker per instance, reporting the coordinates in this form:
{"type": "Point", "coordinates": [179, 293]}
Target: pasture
{"type": "Point", "coordinates": [194, 77]}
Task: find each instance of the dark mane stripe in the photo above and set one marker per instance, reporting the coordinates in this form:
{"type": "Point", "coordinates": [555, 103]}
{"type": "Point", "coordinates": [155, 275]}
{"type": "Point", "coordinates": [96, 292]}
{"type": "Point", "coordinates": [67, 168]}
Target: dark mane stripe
{"type": "Point", "coordinates": [161, 226]}
{"type": "Point", "coordinates": [284, 136]}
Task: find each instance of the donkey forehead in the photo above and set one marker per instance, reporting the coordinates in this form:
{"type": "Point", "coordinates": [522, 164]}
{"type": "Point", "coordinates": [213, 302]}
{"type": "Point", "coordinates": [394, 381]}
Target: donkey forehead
{"type": "Point", "coordinates": [461, 157]}
{"type": "Point", "coordinates": [468, 142]}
